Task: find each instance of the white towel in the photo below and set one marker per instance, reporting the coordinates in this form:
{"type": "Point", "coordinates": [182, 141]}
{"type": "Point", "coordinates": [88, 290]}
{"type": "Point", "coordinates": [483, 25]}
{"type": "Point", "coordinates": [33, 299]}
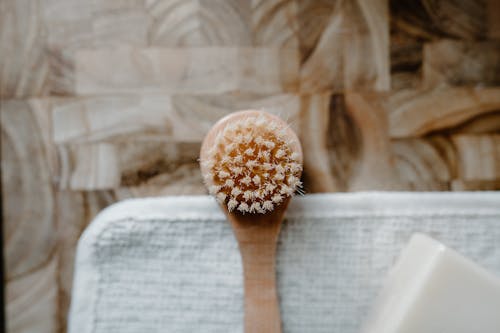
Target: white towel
{"type": "Point", "coordinates": [172, 265]}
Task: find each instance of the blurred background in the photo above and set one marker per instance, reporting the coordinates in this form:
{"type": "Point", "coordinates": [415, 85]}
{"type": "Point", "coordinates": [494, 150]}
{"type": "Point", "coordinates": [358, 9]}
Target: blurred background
{"type": "Point", "coordinates": [107, 100]}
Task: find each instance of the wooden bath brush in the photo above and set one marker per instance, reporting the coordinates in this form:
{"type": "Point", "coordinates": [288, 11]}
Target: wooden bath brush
{"type": "Point", "coordinates": [251, 161]}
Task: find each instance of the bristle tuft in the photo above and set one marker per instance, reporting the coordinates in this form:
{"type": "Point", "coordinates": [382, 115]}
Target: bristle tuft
{"type": "Point", "coordinates": [231, 205]}
{"type": "Point", "coordinates": [221, 197]}
{"type": "Point", "coordinates": [253, 168]}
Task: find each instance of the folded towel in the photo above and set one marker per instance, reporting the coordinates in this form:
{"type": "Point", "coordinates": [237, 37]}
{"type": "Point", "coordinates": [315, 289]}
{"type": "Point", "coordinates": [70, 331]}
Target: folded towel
{"type": "Point", "coordinates": [172, 265]}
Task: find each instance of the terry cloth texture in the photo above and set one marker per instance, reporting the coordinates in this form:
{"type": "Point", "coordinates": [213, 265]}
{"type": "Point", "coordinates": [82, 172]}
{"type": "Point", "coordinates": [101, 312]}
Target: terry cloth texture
{"type": "Point", "coordinates": [172, 264]}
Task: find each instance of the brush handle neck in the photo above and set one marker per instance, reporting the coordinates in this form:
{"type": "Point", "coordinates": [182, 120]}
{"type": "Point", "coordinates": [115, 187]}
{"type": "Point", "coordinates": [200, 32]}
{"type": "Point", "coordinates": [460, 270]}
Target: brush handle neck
{"type": "Point", "coordinates": [262, 313]}
{"type": "Point", "coordinates": [258, 253]}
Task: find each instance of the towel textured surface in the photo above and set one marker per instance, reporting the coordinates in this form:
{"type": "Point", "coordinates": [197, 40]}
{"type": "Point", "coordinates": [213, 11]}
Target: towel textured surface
{"type": "Point", "coordinates": [172, 264]}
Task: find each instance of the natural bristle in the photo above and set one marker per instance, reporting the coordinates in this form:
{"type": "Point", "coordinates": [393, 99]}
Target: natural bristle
{"type": "Point", "coordinates": [252, 167]}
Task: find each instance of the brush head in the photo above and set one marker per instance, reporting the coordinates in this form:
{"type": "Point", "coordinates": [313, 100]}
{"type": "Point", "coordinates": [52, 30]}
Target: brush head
{"type": "Point", "coordinates": [251, 162]}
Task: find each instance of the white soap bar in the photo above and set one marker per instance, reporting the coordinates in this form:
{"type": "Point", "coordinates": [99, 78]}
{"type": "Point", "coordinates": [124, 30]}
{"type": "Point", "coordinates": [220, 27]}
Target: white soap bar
{"type": "Point", "coordinates": [433, 289]}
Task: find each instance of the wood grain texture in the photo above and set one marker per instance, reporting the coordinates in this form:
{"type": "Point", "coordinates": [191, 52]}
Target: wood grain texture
{"type": "Point", "coordinates": [314, 121]}
{"type": "Point", "coordinates": [479, 157]}
{"type": "Point", "coordinates": [339, 60]}
{"type": "Point", "coordinates": [74, 25]}
{"type": "Point", "coordinates": [74, 211]}
{"type": "Point", "coordinates": [455, 63]}
{"type": "Point", "coordinates": [32, 302]}
{"type": "Point", "coordinates": [189, 70]}
{"type": "Point", "coordinates": [415, 23]}
{"type": "Point", "coordinates": [421, 164]}
{"type": "Point", "coordinates": [274, 23]}
{"type": "Point", "coordinates": [29, 222]}
{"type": "Point", "coordinates": [375, 166]}
{"type": "Point", "coordinates": [143, 117]}
{"type": "Point", "coordinates": [257, 241]}
{"type": "Point", "coordinates": [312, 19]}
{"type": "Point", "coordinates": [193, 23]}
{"type": "Point", "coordinates": [414, 113]}
{"type": "Point", "coordinates": [24, 67]}
{"type": "Point", "coordinates": [106, 100]}
{"type": "Point", "coordinates": [427, 19]}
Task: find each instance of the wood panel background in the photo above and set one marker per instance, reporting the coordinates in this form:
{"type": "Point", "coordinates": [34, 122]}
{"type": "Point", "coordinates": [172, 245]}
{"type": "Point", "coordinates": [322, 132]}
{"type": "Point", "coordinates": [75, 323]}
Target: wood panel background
{"type": "Point", "coordinates": [106, 100]}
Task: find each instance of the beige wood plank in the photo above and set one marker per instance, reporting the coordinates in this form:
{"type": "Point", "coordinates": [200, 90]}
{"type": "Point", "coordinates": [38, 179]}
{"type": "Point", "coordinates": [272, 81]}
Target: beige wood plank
{"type": "Point", "coordinates": [354, 151]}
{"type": "Point", "coordinates": [142, 139]}
{"type": "Point", "coordinates": [339, 60]}
{"type": "Point", "coordinates": [207, 109]}
{"type": "Point", "coordinates": [314, 121]}
{"type": "Point", "coordinates": [72, 25]}
{"type": "Point", "coordinates": [75, 210]}
{"type": "Point", "coordinates": [430, 19]}
{"type": "Point", "coordinates": [368, 22]}
{"type": "Point", "coordinates": [119, 117]}
{"type": "Point", "coordinates": [180, 118]}
{"type": "Point", "coordinates": [95, 166]}
{"type": "Point", "coordinates": [414, 113]}
{"type": "Point", "coordinates": [346, 144]}
{"type": "Point", "coordinates": [421, 165]}
{"type": "Point", "coordinates": [159, 164]}
{"type": "Point", "coordinates": [191, 70]}
{"type": "Point", "coordinates": [274, 23]}
{"type": "Point", "coordinates": [414, 23]}
{"type": "Point", "coordinates": [483, 124]}
{"type": "Point", "coordinates": [28, 213]}
{"type": "Point", "coordinates": [456, 63]}
{"type": "Point", "coordinates": [322, 72]}
{"type": "Point", "coordinates": [479, 157]}
{"type": "Point", "coordinates": [348, 149]}
{"type": "Point", "coordinates": [106, 166]}
{"type": "Point", "coordinates": [194, 23]}
{"type": "Point", "coordinates": [375, 168]}
{"type": "Point", "coordinates": [31, 301]}
{"type": "Point", "coordinates": [76, 10]}
{"type": "Point", "coordinates": [24, 63]}
{"type": "Point", "coordinates": [312, 19]}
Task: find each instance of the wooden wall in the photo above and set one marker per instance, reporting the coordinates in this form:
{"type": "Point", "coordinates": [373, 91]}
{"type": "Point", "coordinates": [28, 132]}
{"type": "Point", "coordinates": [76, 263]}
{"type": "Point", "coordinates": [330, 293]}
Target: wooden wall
{"type": "Point", "coordinates": [105, 100]}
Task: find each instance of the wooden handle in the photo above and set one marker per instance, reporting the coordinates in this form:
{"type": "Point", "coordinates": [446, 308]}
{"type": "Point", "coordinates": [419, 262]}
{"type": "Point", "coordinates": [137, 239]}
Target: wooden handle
{"type": "Point", "coordinates": [262, 312]}
{"type": "Point", "coordinates": [257, 237]}
{"type": "Point", "coordinates": [257, 234]}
